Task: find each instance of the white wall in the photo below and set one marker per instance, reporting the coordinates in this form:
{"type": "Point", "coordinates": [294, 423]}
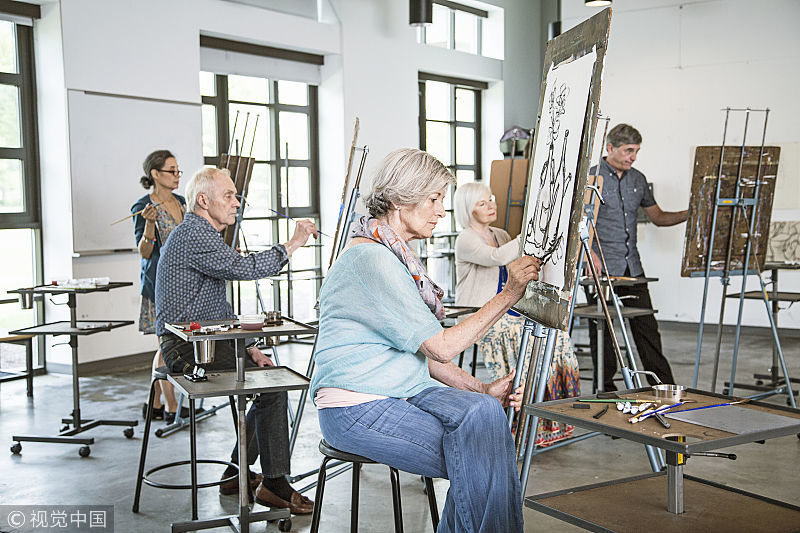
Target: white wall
{"type": "Point", "coordinates": [150, 49]}
{"type": "Point", "coordinates": [671, 66]}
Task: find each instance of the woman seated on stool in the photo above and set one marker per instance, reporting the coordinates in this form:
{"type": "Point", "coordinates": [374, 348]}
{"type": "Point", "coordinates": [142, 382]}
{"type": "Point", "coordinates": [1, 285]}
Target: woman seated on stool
{"type": "Point", "coordinates": [382, 356]}
{"type": "Point", "coordinates": [482, 253]}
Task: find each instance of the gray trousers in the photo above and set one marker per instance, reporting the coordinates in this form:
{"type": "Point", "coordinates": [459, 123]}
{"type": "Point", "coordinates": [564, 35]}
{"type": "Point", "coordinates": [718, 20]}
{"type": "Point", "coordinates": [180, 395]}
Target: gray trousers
{"type": "Point", "coordinates": [267, 419]}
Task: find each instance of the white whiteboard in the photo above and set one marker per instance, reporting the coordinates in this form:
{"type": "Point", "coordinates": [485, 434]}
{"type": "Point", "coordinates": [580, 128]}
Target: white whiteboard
{"type": "Point", "coordinates": [109, 138]}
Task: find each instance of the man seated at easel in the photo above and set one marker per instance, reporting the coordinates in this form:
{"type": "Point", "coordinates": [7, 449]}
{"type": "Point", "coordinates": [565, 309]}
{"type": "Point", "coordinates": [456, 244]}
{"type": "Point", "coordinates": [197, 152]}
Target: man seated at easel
{"type": "Point", "coordinates": [624, 190]}
{"type": "Point", "coordinates": [190, 286]}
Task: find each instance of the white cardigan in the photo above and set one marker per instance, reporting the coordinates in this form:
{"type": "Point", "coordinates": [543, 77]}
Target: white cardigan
{"type": "Point", "coordinates": [477, 265]}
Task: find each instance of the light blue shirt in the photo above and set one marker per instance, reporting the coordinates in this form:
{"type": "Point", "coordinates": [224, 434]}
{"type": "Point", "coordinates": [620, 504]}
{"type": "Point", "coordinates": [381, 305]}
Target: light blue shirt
{"type": "Point", "coordinates": [372, 323]}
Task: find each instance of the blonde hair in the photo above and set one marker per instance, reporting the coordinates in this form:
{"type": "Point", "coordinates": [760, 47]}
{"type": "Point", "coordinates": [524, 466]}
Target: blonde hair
{"type": "Point", "coordinates": [467, 196]}
{"type": "Point", "coordinates": [202, 182]}
{"type": "Point", "coordinates": [406, 177]}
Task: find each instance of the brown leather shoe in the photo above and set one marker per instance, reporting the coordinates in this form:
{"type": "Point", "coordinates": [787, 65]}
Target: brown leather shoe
{"type": "Point", "coordinates": [299, 504]}
{"type": "Point", "coordinates": [232, 487]}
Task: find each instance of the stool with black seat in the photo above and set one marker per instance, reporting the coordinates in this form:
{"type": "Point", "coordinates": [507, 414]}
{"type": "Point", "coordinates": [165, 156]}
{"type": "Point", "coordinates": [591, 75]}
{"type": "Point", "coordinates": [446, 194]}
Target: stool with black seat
{"type": "Point", "coordinates": [332, 453]}
{"type": "Point", "coordinates": [161, 374]}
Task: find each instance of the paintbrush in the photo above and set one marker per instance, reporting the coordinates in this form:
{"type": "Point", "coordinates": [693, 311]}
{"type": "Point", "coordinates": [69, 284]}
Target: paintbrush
{"type": "Point", "coordinates": [290, 218]}
{"type": "Point", "coordinates": [139, 212]}
{"type": "Point", "coordinates": [710, 406]}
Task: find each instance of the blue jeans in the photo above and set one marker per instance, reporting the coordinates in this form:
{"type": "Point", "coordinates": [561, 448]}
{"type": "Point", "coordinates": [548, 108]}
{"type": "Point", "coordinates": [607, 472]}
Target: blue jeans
{"type": "Point", "coordinates": [441, 432]}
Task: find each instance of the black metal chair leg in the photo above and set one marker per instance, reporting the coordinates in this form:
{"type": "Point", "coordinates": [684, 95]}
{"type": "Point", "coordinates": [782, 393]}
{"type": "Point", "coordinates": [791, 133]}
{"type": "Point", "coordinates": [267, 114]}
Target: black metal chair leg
{"type": "Point", "coordinates": [398, 509]}
{"type": "Point", "coordinates": [145, 440]}
{"type": "Point", "coordinates": [354, 497]}
{"type": "Point", "coordinates": [432, 503]}
{"type": "Point", "coordinates": [318, 497]}
{"type": "Point", "coordinates": [193, 446]}
{"type": "Point", "coordinates": [474, 359]}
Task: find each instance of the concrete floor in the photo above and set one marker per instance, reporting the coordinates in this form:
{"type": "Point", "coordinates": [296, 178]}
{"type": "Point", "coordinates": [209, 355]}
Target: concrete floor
{"type": "Point", "coordinates": [55, 474]}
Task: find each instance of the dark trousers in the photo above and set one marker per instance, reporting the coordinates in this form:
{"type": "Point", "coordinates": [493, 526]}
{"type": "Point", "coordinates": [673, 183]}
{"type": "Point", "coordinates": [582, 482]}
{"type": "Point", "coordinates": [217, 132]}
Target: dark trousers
{"type": "Point", "coordinates": [267, 418]}
{"type": "Point", "coordinates": [643, 329]}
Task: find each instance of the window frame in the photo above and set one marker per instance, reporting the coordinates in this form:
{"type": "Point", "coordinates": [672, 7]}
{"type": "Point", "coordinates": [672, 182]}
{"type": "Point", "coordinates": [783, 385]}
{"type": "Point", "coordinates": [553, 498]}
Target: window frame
{"type": "Point", "coordinates": [452, 8]}
{"type": "Point", "coordinates": [221, 103]}
{"type": "Point", "coordinates": [31, 215]}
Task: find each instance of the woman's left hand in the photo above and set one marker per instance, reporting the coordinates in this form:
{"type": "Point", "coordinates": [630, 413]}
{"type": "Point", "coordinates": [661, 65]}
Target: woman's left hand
{"type": "Point", "coordinates": [502, 390]}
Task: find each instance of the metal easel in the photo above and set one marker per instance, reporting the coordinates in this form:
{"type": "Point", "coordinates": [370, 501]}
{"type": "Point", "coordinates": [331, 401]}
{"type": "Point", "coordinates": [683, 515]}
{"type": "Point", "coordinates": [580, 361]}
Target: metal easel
{"type": "Point", "coordinates": [541, 367]}
{"type": "Point", "coordinates": [347, 215]}
{"type": "Point", "coordinates": [541, 370]}
{"type": "Point", "coordinates": [738, 203]}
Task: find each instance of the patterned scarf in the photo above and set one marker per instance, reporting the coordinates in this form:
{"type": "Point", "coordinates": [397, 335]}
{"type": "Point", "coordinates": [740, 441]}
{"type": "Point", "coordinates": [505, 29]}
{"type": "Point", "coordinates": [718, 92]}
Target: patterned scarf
{"type": "Point", "coordinates": [371, 228]}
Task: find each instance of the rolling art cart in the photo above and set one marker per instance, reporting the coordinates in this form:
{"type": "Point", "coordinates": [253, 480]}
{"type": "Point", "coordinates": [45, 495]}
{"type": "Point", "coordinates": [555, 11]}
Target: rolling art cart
{"type": "Point", "coordinates": [240, 384]}
{"type": "Point", "coordinates": [75, 423]}
{"type": "Point", "coordinates": [670, 500]}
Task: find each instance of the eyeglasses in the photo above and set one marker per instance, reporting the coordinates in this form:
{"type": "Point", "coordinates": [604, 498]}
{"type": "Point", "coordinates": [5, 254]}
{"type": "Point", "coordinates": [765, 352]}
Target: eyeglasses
{"type": "Point", "coordinates": [483, 203]}
{"type": "Point", "coordinates": [176, 173]}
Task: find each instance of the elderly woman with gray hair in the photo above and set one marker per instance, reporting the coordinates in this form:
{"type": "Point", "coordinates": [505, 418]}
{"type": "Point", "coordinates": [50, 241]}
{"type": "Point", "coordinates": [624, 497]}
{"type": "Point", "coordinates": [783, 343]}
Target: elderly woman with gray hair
{"type": "Point", "coordinates": [384, 382]}
{"type": "Point", "coordinates": [482, 253]}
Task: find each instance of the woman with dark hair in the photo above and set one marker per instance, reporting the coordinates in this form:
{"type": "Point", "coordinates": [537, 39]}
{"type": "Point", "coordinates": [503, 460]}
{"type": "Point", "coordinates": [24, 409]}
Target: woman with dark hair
{"type": "Point", "coordinates": [161, 211]}
{"type": "Point", "coordinates": [384, 382]}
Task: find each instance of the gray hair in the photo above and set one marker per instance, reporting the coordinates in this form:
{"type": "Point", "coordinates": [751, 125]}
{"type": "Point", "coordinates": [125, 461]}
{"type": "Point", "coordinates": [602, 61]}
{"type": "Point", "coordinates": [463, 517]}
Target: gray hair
{"type": "Point", "coordinates": [467, 196]}
{"type": "Point", "coordinates": [406, 177]}
{"type": "Point", "coordinates": [202, 182]}
{"type": "Point", "coordinates": [623, 134]}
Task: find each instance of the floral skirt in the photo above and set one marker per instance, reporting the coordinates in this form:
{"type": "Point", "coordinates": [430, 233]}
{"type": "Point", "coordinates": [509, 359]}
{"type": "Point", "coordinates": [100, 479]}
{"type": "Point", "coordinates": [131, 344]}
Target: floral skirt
{"type": "Point", "coordinates": [147, 316]}
{"type": "Point", "coordinates": [499, 349]}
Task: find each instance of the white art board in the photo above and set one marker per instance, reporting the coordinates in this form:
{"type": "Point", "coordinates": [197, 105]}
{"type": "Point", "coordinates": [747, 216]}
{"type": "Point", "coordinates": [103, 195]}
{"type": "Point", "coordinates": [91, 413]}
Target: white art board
{"type": "Point", "coordinates": [555, 165]}
{"type": "Point", "coordinates": [109, 138]}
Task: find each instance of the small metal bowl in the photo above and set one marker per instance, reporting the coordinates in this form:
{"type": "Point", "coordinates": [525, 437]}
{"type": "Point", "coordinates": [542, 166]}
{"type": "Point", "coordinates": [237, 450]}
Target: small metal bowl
{"type": "Point", "coordinates": [668, 392]}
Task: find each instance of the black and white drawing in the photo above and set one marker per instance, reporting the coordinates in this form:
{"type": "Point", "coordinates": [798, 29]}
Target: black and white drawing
{"type": "Point", "coordinates": [555, 165]}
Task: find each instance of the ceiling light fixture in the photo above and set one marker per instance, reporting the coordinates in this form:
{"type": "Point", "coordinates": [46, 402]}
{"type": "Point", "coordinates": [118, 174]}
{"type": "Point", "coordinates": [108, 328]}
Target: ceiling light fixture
{"type": "Point", "coordinates": [597, 3]}
{"type": "Point", "coordinates": [420, 12]}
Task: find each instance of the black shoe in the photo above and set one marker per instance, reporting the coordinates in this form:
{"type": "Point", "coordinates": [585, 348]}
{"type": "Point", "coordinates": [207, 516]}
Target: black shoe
{"type": "Point", "coordinates": [158, 412]}
{"type": "Point", "coordinates": [185, 411]}
{"type": "Point", "coordinates": [169, 418]}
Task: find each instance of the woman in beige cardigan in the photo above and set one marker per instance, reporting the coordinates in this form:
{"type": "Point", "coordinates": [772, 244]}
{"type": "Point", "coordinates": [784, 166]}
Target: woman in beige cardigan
{"type": "Point", "coordinates": [482, 253]}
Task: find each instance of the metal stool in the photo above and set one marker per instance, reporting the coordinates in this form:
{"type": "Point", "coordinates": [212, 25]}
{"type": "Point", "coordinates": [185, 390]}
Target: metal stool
{"type": "Point", "coordinates": [332, 453]}
{"type": "Point", "coordinates": [161, 374]}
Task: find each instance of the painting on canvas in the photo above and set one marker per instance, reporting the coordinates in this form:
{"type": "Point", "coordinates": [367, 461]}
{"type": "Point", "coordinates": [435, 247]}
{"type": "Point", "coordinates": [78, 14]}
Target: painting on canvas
{"type": "Point", "coordinates": [568, 109]}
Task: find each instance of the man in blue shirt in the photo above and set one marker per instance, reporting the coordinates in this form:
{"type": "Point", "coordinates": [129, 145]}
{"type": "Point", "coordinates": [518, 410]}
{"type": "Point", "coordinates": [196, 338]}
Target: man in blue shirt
{"type": "Point", "coordinates": [191, 281]}
{"type": "Point", "coordinates": [624, 190]}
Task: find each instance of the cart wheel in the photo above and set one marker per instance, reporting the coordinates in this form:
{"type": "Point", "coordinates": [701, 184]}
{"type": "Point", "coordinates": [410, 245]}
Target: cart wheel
{"type": "Point", "coordinates": [128, 432]}
{"type": "Point", "coordinates": [725, 392]}
{"type": "Point", "coordinates": [759, 382]}
{"type": "Point", "coordinates": [65, 428]}
{"type": "Point", "coordinates": [159, 433]}
{"type": "Point", "coordinates": [285, 524]}
{"type": "Point", "coordinates": [16, 448]}
{"type": "Point", "coordinates": [84, 451]}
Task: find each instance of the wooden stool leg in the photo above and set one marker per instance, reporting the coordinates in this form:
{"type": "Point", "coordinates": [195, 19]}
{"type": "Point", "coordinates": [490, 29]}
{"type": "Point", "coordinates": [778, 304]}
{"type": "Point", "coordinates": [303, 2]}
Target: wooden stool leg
{"type": "Point", "coordinates": [432, 503]}
{"type": "Point", "coordinates": [145, 440]}
{"type": "Point", "coordinates": [398, 509]}
{"type": "Point", "coordinates": [354, 498]}
{"type": "Point", "coordinates": [318, 497]}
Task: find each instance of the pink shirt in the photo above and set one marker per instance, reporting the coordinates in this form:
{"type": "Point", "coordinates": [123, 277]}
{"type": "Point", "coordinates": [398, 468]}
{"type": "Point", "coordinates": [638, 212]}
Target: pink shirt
{"type": "Point", "coordinates": [335, 397]}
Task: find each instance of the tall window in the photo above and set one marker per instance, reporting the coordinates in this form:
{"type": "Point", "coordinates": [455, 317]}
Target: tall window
{"type": "Point", "coordinates": [455, 26]}
{"type": "Point", "coordinates": [20, 214]}
{"type": "Point", "coordinates": [449, 128]}
{"type": "Point", "coordinates": [275, 122]}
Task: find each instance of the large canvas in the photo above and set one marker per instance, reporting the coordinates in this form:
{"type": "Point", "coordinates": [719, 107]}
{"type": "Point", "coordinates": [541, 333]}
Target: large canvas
{"type": "Point", "coordinates": [568, 108]}
{"type": "Point", "coordinates": [701, 208]}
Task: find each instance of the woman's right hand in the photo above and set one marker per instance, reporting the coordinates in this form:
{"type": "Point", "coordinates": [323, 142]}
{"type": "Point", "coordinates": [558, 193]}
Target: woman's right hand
{"type": "Point", "coordinates": [150, 213]}
{"type": "Point", "coordinates": [520, 272]}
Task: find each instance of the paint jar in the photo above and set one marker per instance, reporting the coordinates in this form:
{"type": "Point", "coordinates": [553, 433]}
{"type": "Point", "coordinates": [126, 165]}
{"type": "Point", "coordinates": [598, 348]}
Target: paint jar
{"type": "Point", "coordinates": [204, 351]}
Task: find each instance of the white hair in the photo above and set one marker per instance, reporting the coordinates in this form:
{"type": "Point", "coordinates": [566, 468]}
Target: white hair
{"type": "Point", "coordinates": [406, 177]}
{"type": "Point", "coordinates": [202, 183]}
{"type": "Point", "coordinates": [467, 196]}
